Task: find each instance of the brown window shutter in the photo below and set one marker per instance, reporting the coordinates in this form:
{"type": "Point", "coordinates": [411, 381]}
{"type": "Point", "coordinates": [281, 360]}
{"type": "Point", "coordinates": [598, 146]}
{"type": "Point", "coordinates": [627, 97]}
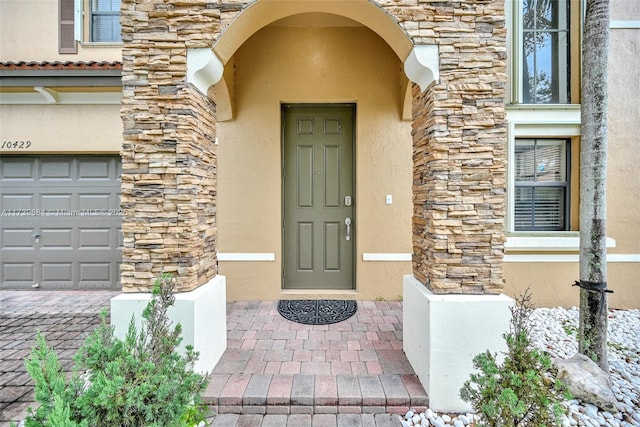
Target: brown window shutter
{"type": "Point", "coordinates": [66, 36]}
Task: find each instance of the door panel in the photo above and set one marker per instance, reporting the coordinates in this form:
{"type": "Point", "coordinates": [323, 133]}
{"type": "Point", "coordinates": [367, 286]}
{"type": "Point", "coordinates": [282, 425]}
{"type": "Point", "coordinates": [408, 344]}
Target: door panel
{"type": "Point", "coordinates": [332, 177]}
{"type": "Point", "coordinates": [332, 246]}
{"type": "Point", "coordinates": [317, 176]}
{"type": "Point", "coordinates": [305, 246]}
{"type": "Point", "coordinates": [305, 176]}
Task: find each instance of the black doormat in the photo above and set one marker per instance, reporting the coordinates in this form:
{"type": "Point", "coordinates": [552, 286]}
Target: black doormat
{"type": "Point", "coordinates": [317, 312]}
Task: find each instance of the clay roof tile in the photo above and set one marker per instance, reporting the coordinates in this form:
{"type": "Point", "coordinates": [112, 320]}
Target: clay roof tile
{"type": "Point", "coordinates": [59, 65]}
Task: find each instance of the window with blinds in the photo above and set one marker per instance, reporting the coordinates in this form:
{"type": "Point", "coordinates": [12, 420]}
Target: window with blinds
{"type": "Point", "coordinates": [541, 185]}
{"type": "Point", "coordinates": [105, 21]}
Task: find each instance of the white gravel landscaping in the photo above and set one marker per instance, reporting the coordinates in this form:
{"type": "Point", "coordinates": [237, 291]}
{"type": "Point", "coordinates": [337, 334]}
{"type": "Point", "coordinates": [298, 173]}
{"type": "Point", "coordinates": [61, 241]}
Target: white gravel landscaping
{"type": "Point", "coordinates": [555, 331]}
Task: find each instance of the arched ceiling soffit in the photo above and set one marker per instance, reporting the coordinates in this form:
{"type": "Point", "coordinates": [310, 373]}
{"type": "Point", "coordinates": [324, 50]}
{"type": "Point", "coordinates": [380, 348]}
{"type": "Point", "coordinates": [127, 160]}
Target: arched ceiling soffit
{"type": "Point", "coordinates": [206, 68]}
{"type": "Point", "coordinates": [264, 12]}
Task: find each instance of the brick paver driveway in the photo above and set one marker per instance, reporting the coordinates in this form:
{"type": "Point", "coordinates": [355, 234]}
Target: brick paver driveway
{"type": "Point", "coordinates": [64, 317]}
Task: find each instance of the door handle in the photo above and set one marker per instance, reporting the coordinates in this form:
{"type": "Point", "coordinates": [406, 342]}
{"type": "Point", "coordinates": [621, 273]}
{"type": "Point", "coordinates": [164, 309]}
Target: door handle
{"type": "Point", "coordinates": [347, 222]}
{"type": "Point", "coordinates": [36, 237]}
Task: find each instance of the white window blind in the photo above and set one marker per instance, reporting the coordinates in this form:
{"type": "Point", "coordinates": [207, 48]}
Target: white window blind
{"type": "Point", "coordinates": [541, 192]}
{"type": "Point", "coordinates": [105, 21]}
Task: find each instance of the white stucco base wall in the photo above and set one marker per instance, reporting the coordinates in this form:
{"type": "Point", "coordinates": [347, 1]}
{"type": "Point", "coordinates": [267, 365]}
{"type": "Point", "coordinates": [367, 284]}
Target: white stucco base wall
{"type": "Point", "coordinates": [201, 312]}
{"type": "Point", "coordinates": [442, 334]}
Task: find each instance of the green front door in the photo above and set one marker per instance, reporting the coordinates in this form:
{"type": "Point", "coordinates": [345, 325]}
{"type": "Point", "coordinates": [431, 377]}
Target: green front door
{"type": "Point", "coordinates": [318, 225]}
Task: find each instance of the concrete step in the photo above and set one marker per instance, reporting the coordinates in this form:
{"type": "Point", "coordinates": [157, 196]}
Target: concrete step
{"type": "Point", "coordinates": [287, 394]}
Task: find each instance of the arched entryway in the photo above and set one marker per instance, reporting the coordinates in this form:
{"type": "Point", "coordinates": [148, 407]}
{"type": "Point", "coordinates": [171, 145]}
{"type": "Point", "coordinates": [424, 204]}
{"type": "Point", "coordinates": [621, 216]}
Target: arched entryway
{"type": "Point", "coordinates": [330, 53]}
{"type": "Point", "coordinates": [205, 83]}
{"type": "Point", "coordinates": [317, 59]}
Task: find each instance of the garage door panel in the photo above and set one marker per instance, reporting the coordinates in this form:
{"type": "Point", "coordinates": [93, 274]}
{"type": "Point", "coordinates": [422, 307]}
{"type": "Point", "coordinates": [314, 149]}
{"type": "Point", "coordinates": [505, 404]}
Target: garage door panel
{"type": "Point", "coordinates": [19, 272]}
{"type": "Point", "coordinates": [57, 271]}
{"type": "Point", "coordinates": [96, 169]}
{"type": "Point", "coordinates": [95, 202]}
{"type": "Point", "coordinates": [17, 238]}
{"type": "Point", "coordinates": [71, 203]}
{"type": "Point", "coordinates": [17, 169]}
{"type": "Point", "coordinates": [56, 238]}
{"type": "Point", "coordinates": [56, 169]}
{"type": "Point", "coordinates": [95, 272]}
{"type": "Point", "coordinates": [95, 238]}
{"type": "Point", "coordinates": [56, 202]}
{"type": "Point", "coordinates": [17, 201]}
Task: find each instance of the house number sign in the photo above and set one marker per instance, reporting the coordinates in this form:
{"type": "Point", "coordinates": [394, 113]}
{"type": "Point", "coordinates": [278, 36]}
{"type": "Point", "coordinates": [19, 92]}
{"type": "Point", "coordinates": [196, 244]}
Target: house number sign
{"type": "Point", "coordinates": [16, 145]}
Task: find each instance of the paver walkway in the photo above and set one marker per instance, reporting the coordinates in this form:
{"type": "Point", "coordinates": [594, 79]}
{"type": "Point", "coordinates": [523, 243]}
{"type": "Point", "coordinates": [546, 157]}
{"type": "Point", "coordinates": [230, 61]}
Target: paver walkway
{"type": "Point", "coordinates": [274, 372]}
{"type": "Point", "coordinates": [275, 366]}
{"type": "Point", "coordinates": [352, 373]}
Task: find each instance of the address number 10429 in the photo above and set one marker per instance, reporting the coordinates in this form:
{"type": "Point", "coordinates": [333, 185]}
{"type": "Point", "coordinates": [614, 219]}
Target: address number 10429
{"type": "Point", "coordinates": [16, 145]}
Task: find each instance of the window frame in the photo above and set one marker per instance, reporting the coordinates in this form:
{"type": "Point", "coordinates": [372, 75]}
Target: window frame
{"type": "Point", "coordinates": [564, 184]}
{"type": "Point", "coordinates": [560, 45]}
{"type": "Point", "coordinates": [553, 122]}
{"type": "Point", "coordinates": [83, 25]}
{"type": "Point", "coordinates": [93, 13]}
{"type": "Point", "coordinates": [515, 27]}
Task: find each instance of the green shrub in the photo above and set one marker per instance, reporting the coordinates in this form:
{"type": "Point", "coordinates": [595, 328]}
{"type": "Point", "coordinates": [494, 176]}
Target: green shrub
{"type": "Point", "coordinates": [522, 391]}
{"type": "Point", "coordinates": [138, 381]}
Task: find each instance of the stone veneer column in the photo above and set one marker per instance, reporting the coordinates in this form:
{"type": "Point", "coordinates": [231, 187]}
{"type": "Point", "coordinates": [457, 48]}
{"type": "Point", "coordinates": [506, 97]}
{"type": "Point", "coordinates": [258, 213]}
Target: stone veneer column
{"type": "Point", "coordinates": [169, 174]}
{"type": "Point", "coordinates": [169, 164]}
{"type": "Point", "coordinates": [459, 154]}
{"type": "Point", "coordinates": [459, 158]}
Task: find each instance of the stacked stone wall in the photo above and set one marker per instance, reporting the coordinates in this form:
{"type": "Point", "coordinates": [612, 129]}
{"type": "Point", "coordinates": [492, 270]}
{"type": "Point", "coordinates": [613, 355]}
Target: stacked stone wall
{"type": "Point", "coordinates": [170, 165]}
{"type": "Point", "coordinates": [459, 134]}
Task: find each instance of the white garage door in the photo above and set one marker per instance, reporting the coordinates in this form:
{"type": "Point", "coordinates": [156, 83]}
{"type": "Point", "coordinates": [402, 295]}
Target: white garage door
{"type": "Point", "coordinates": [60, 223]}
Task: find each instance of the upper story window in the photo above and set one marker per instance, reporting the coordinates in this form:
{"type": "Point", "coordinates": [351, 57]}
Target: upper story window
{"type": "Point", "coordinates": [93, 21]}
{"type": "Point", "coordinates": [105, 21]}
{"type": "Point", "coordinates": [545, 51]}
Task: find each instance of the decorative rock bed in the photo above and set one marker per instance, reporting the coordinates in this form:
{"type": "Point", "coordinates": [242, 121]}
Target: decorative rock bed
{"type": "Point", "coordinates": [555, 331]}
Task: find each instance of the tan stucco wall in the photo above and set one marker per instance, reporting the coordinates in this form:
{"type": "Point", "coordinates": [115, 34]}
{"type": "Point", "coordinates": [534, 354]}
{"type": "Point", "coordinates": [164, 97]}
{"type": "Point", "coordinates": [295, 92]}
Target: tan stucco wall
{"type": "Point", "coordinates": [62, 128]}
{"type": "Point", "coordinates": [282, 65]}
{"type": "Point", "coordinates": [623, 178]}
{"type": "Point", "coordinates": [551, 283]}
{"type": "Point", "coordinates": [29, 31]}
